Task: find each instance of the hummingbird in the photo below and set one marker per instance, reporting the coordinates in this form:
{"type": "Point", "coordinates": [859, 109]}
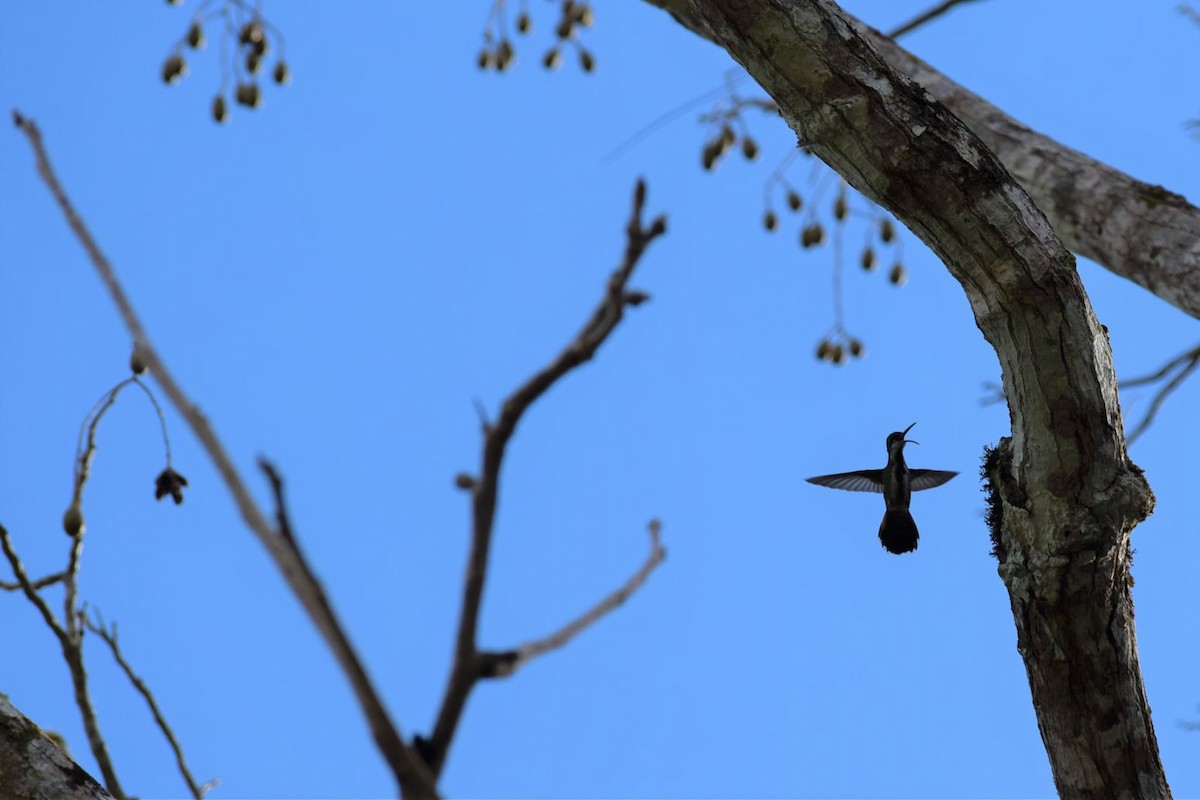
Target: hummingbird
{"type": "Point", "coordinates": [898, 531]}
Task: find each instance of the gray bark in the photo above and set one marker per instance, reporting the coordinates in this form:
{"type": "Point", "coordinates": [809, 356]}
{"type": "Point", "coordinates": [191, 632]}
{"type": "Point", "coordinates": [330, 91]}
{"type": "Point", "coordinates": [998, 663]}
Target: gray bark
{"type": "Point", "coordinates": [1137, 230]}
{"type": "Point", "coordinates": [32, 767]}
{"type": "Point", "coordinates": [1068, 495]}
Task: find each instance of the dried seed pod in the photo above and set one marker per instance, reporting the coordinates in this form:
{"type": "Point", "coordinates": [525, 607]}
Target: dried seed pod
{"type": "Point", "coordinates": [840, 208]}
{"type": "Point", "coordinates": [282, 74]}
{"type": "Point", "coordinates": [248, 94]}
{"type": "Point", "coordinates": [484, 59]}
{"type": "Point", "coordinates": [837, 354]}
{"type": "Point", "coordinates": [710, 154]}
{"type": "Point", "coordinates": [73, 521]}
{"type": "Point", "coordinates": [137, 364]}
{"type": "Point", "coordinates": [464, 481]}
{"type": "Point", "coordinates": [220, 113]}
{"type": "Point", "coordinates": [793, 200]}
{"type": "Point", "coordinates": [564, 28]}
{"type": "Point", "coordinates": [174, 68]}
{"type": "Point", "coordinates": [770, 221]}
{"type": "Point", "coordinates": [823, 349]}
{"type": "Point", "coordinates": [505, 55]}
{"type": "Point", "coordinates": [586, 60]}
{"type": "Point", "coordinates": [887, 231]}
{"type": "Point", "coordinates": [524, 23]}
{"type": "Point", "coordinates": [252, 34]}
{"type": "Point", "coordinates": [584, 15]}
{"type": "Point", "coordinates": [195, 35]}
{"type": "Point", "coordinates": [812, 235]}
{"type": "Point", "coordinates": [253, 62]}
{"type": "Point", "coordinates": [728, 137]}
{"type": "Point", "coordinates": [898, 276]}
{"type": "Point", "coordinates": [856, 348]}
{"type": "Point", "coordinates": [552, 58]}
{"type": "Point", "coordinates": [749, 148]}
{"type": "Point", "coordinates": [868, 259]}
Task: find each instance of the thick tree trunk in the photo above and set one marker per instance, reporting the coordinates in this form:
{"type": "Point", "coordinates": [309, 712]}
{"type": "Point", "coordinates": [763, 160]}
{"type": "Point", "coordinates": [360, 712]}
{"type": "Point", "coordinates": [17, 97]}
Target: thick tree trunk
{"type": "Point", "coordinates": [1067, 494]}
{"type": "Point", "coordinates": [33, 768]}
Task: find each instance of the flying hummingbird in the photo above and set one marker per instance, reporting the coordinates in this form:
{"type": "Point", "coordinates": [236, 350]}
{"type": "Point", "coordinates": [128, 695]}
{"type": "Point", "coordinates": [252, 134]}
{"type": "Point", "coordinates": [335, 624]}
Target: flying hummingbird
{"type": "Point", "coordinates": [898, 531]}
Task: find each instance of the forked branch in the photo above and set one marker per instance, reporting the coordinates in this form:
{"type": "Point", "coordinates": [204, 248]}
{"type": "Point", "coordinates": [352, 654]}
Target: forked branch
{"type": "Point", "coordinates": [469, 663]}
{"type": "Point", "coordinates": [409, 770]}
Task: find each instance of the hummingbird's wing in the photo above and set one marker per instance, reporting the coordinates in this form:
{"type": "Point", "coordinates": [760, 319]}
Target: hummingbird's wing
{"type": "Point", "coordinates": [928, 478]}
{"type": "Point", "coordinates": [863, 480]}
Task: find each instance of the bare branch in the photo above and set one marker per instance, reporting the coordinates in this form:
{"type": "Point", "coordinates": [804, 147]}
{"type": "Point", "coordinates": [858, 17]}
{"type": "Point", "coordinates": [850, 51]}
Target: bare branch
{"type": "Point", "coordinates": [469, 663]}
{"type": "Point", "coordinates": [387, 737]}
{"type": "Point", "coordinates": [533, 649]}
{"type": "Point", "coordinates": [29, 588]}
{"type": "Point", "coordinates": [40, 583]}
{"type": "Point", "coordinates": [410, 773]}
{"type": "Point", "coordinates": [109, 636]}
{"type": "Point", "coordinates": [1186, 364]}
{"type": "Point", "coordinates": [70, 640]}
{"type": "Point", "coordinates": [928, 16]}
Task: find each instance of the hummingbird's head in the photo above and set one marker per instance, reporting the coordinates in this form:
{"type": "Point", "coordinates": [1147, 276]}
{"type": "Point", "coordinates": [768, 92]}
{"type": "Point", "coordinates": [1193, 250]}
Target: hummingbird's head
{"type": "Point", "coordinates": [896, 440]}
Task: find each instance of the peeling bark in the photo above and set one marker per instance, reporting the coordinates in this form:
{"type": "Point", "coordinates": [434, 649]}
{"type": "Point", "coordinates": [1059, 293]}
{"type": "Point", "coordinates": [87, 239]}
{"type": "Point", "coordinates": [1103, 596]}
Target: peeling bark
{"type": "Point", "coordinates": [1069, 493]}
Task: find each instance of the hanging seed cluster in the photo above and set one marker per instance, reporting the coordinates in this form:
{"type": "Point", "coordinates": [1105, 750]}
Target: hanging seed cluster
{"type": "Point", "coordinates": [838, 347]}
{"type": "Point", "coordinates": [256, 40]}
{"type": "Point", "coordinates": [499, 54]}
{"type": "Point", "coordinates": [724, 142]}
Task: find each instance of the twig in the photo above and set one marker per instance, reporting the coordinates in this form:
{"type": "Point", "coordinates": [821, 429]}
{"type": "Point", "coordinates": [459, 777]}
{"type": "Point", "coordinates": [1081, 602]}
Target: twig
{"type": "Point", "coordinates": [109, 636]}
{"type": "Point", "coordinates": [1186, 363]}
{"type": "Point", "coordinates": [406, 765]}
{"type": "Point", "coordinates": [468, 664]}
{"type": "Point", "coordinates": [927, 16]}
{"type": "Point", "coordinates": [40, 583]}
{"type": "Point", "coordinates": [70, 640]}
{"type": "Point", "coordinates": [28, 586]}
{"type": "Point", "coordinates": [533, 649]}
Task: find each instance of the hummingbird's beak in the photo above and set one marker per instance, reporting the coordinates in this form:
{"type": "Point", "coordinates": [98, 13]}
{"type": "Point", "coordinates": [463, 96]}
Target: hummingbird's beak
{"type": "Point", "coordinates": [905, 433]}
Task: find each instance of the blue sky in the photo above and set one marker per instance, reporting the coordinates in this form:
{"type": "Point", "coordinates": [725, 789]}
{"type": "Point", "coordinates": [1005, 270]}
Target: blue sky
{"type": "Point", "coordinates": [337, 277]}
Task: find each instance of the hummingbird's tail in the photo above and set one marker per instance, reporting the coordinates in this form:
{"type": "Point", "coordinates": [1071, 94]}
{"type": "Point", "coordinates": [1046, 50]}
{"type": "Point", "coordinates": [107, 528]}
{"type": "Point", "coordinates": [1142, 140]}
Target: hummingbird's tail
{"type": "Point", "coordinates": [898, 531]}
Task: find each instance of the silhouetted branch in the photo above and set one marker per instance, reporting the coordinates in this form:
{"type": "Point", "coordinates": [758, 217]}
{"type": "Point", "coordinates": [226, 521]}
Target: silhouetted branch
{"type": "Point", "coordinates": [1182, 365]}
{"type": "Point", "coordinates": [469, 663]}
{"type": "Point", "coordinates": [533, 649]}
{"type": "Point", "coordinates": [109, 637]}
{"type": "Point", "coordinates": [1185, 363]}
{"type": "Point", "coordinates": [927, 16]}
{"type": "Point", "coordinates": [407, 767]}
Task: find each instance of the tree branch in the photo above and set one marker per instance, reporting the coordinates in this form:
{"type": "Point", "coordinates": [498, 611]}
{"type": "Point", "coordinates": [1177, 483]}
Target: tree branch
{"type": "Point", "coordinates": [1186, 364]}
{"type": "Point", "coordinates": [35, 767]}
{"type": "Point", "coordinates": [1097, 211]}
{"type": "Point", "coordinates": [387, 737]}
{"type": "Point", "coordinates": [407, 767]}
{"type": "Point", "coordinates": [564, 635]}
{"type": "Point", "coordinates": [925, 17]}
{"type": "Point", "coordinates": [109, 637]}
{"type": "Point", "coordinates": [468, 664]}
{"type": "Point", "coordinates": [70, 640]}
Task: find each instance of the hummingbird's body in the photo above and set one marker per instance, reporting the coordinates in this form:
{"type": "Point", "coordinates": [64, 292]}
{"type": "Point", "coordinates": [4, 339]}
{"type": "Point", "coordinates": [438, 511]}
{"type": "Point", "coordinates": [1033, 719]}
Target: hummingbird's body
{"type": "Point", "coordinates": [898, 530]}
